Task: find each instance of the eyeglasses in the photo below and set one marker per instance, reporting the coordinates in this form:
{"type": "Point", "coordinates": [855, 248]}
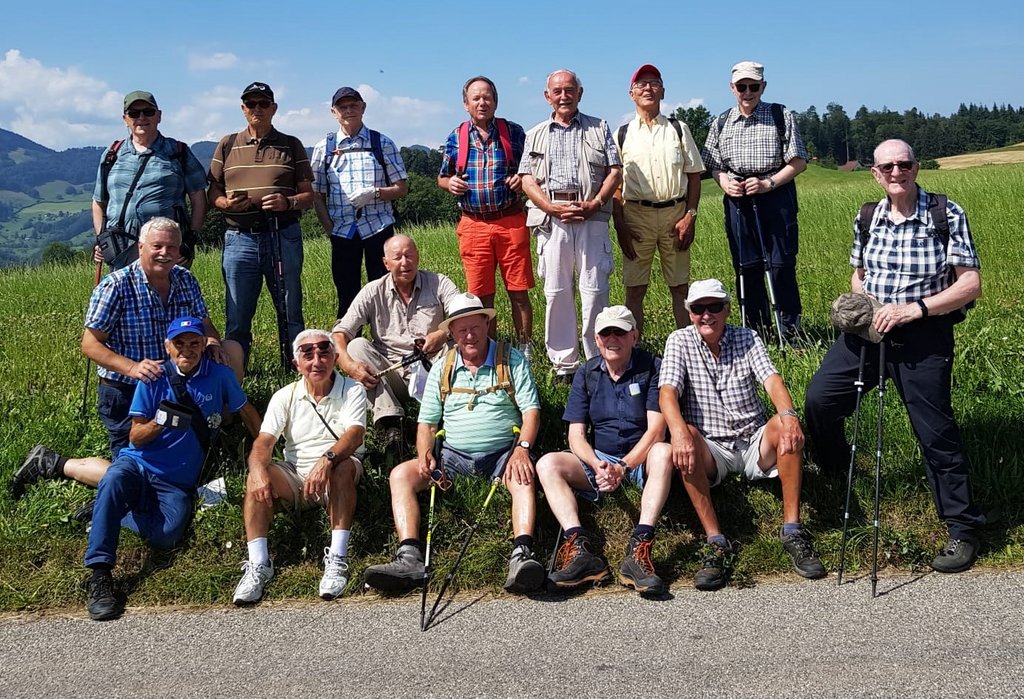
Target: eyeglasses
{"type": "Point", "coordinates": [698, 309]}
{"type": "Point", "coordinates": [743, 87]}
{"type": "Point", "coordinates": [641, 84]}
{"type": "Point", "coordinates": [136, 113]}
{"type": "Point", "coordinates": [903, 165]}
{"type": "Point", "coordinates": [441, 479]}
{"type": "Point", "coordinates": [324, 347]}
{"type": "Point", "coordinates": [617, 332]}
{"type": "Point", "coordinates": [253, 104]}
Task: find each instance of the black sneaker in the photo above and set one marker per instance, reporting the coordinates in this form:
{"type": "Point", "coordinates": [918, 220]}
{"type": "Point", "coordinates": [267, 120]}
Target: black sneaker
{"type": "Point", "coordinates": [525, 573]}
{"type": "Point", "coordinates": [637, 570]}
{"type": "Point", "coordinates": [957, 556]}
{"type": "Point", "coordinates": [84, 513]}
{"type": "Point", "coordinates": [805, 561]}
{"type": "Point", "coordinates": [403, 573]}
{"type": "Point", "coordinates": [101, 601]}
{"type": "Point", "coordinates": [715, 568]}
{"type": "Point", "coordinates": [41, 463]}
{"type": "Point", "coordinates": [577, 565]}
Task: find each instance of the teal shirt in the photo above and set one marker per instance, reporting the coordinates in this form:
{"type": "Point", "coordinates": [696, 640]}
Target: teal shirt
{"type": "Point", "coordinates": [486, 428]}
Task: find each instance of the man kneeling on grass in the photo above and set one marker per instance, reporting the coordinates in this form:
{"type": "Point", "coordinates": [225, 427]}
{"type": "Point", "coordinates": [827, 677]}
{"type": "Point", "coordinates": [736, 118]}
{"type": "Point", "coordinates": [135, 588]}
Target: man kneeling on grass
{"type": "Point", "coordinates": [487, 392]}
{"type": "Point", "coordinates": [151, 485]}
{"type": "Point", "coordinates": [617, 394]}
{"type": "Point", "coordinates": [322, 418]}
{"type": "Point", "coordinates": [708, 395]}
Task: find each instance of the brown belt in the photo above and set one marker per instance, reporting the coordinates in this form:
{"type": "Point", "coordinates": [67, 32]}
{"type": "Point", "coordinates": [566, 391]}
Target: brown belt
{"type": "Point", "coordinates": [494, 215]}
{"type": "Point", "coordinates": [565, 196]}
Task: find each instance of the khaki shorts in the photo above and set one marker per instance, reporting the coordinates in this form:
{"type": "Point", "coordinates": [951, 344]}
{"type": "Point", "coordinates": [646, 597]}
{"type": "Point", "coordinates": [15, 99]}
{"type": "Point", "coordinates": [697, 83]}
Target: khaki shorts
{"type": "Point", "coordinates": [657, 232]}
{"type": "Point", "coordinates": [296, 479]}
{"type": "Point", "coordinates": [742, 459]}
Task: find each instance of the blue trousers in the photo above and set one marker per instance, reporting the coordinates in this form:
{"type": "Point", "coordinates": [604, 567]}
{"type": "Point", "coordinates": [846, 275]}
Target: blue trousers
{"type": "Point", "coordinates": [113, 401]}
{"type": "Point", "coordinates": [128, 495]}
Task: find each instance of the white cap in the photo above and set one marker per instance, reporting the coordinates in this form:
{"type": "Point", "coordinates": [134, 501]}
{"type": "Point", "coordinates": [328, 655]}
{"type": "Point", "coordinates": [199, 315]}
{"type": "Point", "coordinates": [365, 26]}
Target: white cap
{"type": "Point", "coordinates": [747, 69]}
{"type": "Point", "coordinates": [706, 289]}
{"type": "Point", "coordinates": [615, 317]}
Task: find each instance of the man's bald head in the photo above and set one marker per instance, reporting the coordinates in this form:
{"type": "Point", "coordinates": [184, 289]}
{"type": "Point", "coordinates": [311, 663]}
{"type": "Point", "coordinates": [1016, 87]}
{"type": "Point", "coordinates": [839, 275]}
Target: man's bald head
{"type": "Point", "coordinates": [397, 241]}
{"type": "Point", "coordinates": [402, 259]}
{"type": "Point", "coordinates": [893, 144]}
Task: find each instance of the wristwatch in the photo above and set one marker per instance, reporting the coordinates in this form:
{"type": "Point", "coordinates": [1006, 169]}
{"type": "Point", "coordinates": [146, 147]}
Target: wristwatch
{"type": "Point", "coordinates": [771, 183]}
{"type": "Point", "coordinates": [692, 212]}
{"type": "Point", "coordinates": [330, 456]}
{"type": "Point", "coordinates": [792, 412]}
{"type": "Point", "coordinates": [524, 444]}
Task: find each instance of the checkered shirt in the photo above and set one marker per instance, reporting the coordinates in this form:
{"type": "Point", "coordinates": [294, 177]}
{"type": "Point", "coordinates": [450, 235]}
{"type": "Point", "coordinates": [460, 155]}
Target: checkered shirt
{"type": "Point", "coordinates": [352, 169]}
{"type": "Point", "coordinates": [564, 154]}
{"type": "Point", "coordinates": [486, 168]}
{"type": "Point", "coordinates": [905, 262]}
{"type": "Point", "coordinates": [750, 145]}
{"type": "Point", "coordinates": [134, 317]}
{"type": "Point", "coordinates": [719, 397]}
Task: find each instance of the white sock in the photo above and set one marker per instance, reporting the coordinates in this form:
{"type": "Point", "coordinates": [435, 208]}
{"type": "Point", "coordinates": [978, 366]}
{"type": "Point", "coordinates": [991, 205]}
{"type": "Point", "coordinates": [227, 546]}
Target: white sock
{"type": "Point", "coordinates": [258, 553]}
{"type": "Point", "coordinates": [339, 541]}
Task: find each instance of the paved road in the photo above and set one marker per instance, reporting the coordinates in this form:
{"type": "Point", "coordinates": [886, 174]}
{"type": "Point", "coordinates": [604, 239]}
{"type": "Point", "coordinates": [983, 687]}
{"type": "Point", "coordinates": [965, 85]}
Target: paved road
{"type": "Point", "coordinates": [933, 636]}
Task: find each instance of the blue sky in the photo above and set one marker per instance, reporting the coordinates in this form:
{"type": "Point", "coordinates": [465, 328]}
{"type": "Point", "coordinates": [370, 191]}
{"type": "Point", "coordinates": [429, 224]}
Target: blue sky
{"type": "Point", "coordinates": [65, 66]}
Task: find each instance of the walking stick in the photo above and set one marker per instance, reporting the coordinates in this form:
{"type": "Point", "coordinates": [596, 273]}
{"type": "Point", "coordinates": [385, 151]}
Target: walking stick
{"type": "Point", "coordinates": [280, 303]}
{"type": "Point", "coordinates": [88, 360]}
{"type": "Point", "coordinates": [859, 383]}
{"type": "Point", "coordinates": [878, 463]}
{"type": "Point", "coordinates": [438, 436]}
{"type": "Point", "coordinates": [768, 274]}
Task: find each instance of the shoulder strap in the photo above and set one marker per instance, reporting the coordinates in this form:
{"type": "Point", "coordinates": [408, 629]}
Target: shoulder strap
{"type": "Point", "coordinates": [108, 163]}
{"type": "Point", "coordinates": [504, 372]}
{"type": "Point", "coordinates": [131, 188]}
{"type": "Point", "coordinates": [329, 147]}
{"type": "Point", "coordinates": [620, 135]}
{"type": "Point", "coordinates": [940, 219]}
{"type": "Point", "coordinates": [867, 213]}
{"type": "Point", "coordinates": [721, 121]}
{"type": "Point", "coordinates": [447, 369]}
{"type": "Point", "coordinates": [780, 123]}
{"type": "Point", "coordinates": [462, 156]}
{"type": "Point", "coordinates": [181, 153]}
{"type": "Point", "coordinates": [505, 138]}
{"type": "Point", "coordinates": [198, 424]}
{"type": "Point", "coordinates": [677, 126]}
{"type": "Point", "coordinates": [225, 149]}
{"type": "Point", "coordinates": [378, 153]}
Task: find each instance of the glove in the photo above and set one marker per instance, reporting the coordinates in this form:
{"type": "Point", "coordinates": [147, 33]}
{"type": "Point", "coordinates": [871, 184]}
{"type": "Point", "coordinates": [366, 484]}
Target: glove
{"type": "Point", "coordinates": [173, 416]}
{"type": "Point", "coordinates": [362, 196]}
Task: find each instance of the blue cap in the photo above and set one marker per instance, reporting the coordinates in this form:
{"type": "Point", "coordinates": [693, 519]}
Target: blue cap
{"type": "Point", "coordinates": [185, 324]}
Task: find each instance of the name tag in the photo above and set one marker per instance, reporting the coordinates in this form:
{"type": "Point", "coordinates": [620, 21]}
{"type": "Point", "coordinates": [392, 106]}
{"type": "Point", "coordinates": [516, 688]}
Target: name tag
{"type": "Point", "coordinates": [634, 389]}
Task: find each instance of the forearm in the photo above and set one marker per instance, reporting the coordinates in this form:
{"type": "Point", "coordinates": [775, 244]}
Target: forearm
{"type": "Point", "coordinates": [143, 431]}
{"type": "Point", "coordinates": [611, 183]}
{"type": "Point", "coordinates": [535, 194]}
{"type": "Point", "coordinates": [251, 419]}
{"type": "Point", "coordinates": [198, 201]}
{"type": "Point", "coordinates": [396, 191]}
{"type": "Point", "coordinates": [99, 216]}
{"type": "Point", "coordinates": [531, 426]}
{"type": "Point", "coordinates": [94, 349]}
{"type": "Point", "coordinates": [580, 447]}
{"type": "Point", "coordinates": [789, 171]}
{"type": "Point", "coordinates": [349, 441]}
{"type": "Point", "coordinates": [212, 335]}
{"type": "Point", "coordinates": [778, 393]}
{"type": "Point", "coordinates": [692, 190]}
{"type": "Point", "coordinates": [262, 451]}
{"type": "Point", "coordinates": [965, 289]}
{"type": "Point", "coordinates": [638, 454]}
{"type": "Point", "coordinates": [668, 401]}
{"type": "Point", "coordinates": [424, 439]}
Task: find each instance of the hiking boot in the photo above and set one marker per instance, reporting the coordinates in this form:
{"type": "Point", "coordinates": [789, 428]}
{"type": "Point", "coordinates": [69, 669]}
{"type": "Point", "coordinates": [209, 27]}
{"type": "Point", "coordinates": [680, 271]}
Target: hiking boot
{"type": "Point", "coordinates": [102, 603]}
{"type": "Point", "coordinates": [957, 556]}
{"type": "Point", "coordinates": [525, 573]}
{"type": "Point", "coordinates": [563, 379]}
{"type": "Point", "coordinates": [84, 513]}
{"type": "Point", "coordinates": [805, 561]}
{"type": "Point", "coordinates": [576, 564]}
{"type": "Point", "coordinates": [715, 568]}
{"type": "Point", "coordinates": [335, 578]}
{"type": "Point", "coordinates": [401, 574]}
{"type": "Point", "coordinates": [637, 570]}
{"type": "Point", "coordinates": [249, 589]}
{"type": "Point", "coordinates": [41, 463]}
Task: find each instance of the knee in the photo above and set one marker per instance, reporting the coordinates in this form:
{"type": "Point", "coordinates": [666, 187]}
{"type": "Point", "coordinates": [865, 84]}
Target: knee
{"type": "Point", "coordinates": [343, 475]}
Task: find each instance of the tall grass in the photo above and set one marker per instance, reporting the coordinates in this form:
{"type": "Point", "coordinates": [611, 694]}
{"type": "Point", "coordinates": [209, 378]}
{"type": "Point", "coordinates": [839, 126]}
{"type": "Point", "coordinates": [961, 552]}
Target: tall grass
{"type": "Point", "coordinates": [42, 375]}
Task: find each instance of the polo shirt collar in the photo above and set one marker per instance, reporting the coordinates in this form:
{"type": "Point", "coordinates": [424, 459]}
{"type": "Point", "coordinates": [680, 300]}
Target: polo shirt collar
{"type": "Point", "coordinates": [201, 371]}
{"type": "Point", "coordinates": [272, 135]}
{"type": "Point", "coordinates": [492, 348]}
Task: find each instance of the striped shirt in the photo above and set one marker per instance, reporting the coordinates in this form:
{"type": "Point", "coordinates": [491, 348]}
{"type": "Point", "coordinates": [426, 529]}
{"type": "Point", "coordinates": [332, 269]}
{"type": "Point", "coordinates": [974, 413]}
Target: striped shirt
{"type": "Point", "coordinates": [905, 262]}
{"type": "Point", "coordinates": [749, 146]}
{"type": "Point", "coordinates": [487, 166]}
{"type": "Point", "coordinates": [134, 317]}
{"type": "Point", "coordinates": [719, 396]}
{"type": "Point", "coordinates": [353, 167]}
{"type": "Point", "coordinates": [485, 429]}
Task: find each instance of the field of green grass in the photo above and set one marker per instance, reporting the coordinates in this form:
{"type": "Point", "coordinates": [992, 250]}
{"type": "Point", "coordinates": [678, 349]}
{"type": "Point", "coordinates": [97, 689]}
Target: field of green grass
{"type": "Point", "coordinates": [41, 384]}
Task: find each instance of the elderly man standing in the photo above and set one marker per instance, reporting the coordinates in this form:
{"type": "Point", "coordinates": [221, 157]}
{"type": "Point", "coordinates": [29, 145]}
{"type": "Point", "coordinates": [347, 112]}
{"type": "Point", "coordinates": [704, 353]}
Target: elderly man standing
{"type": "Point", "coordinates": [481, 160]}
{"type": "Point", "coordinates": [656, 207]}
{"type": "Point", "coordinates": [913, 252]}
{"type": "Point", "coordinates": [128, 316]}
{"type": "Point", "coordinates": [616, 394]}
{"type": "Point", "coordinates": [407, 305]}
{"type": "Point", "coordinates": [357, 173]}
{"type": "Point", "coordinates": [260, 179]}
{"type": "Point", "coordinates": [708, 395]}
{"type": "Point", "coordinates": [570, 172]}
{"type": "Point", "coordinates": [142, 177]}
{"type": "Point", "coordinates": [754, 151]}
{"type": "Point", "coordinates": [322, 418]}
{"type": "Point", "coordinates": [488, 391]}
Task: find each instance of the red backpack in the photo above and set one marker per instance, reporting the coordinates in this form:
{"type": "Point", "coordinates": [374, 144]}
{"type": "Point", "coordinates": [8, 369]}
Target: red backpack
{"type": "Point", "coordinates": [503, 138]}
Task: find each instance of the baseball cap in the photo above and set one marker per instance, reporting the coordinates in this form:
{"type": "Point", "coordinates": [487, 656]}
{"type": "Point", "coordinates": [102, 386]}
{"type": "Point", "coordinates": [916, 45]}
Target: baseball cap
{"type": "Point", "coordinates": [706, 289]}
{"type": "Point", "coordinates": [139, 96]}
{"type": "Point", "coordinates": [465, 305]}
{"type": "Point", "coordinates": [645, 68]}
{"type": "Point", "coordinates": [747, 69]}
{"type": "Point", "coordinates": [343, 92]}
{"type": "Point", "coordinates": [855, 314]}
{"type": "Point", "coordinates": [615, 317]}
{"type": "Point", "coordinates": [185, 324]}
{"type": "Point", "coordinates": [259, 89]}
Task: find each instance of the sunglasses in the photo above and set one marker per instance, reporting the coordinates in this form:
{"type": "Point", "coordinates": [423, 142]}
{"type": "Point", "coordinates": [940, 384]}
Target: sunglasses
{"type": "Point", "coordinates": [136, 113]}
{"type": "Point", "coordinates": [617, 332]}
{"type": "Point", "coordinates": [253, 104]}
{"type": "Point", "coordinates": [743, 87]}
{"type": "Point", "coordinates": [903, 165]}
{"type": "Point", "coordinates": [324, 347]}
{"type": "Point", "coordinates": [441, 479]}
{"type": "Point", "coordinates": [698, 309]}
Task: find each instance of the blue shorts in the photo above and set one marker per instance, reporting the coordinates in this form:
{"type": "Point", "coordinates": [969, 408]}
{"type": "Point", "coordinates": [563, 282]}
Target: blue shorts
{"type": "Point", "coordinates": [464, 463]}
{"type": "Point", "coordinates": [634, 476]}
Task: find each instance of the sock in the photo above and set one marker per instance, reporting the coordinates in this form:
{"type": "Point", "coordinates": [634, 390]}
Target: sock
{"type": "Point", "coordinates": [790, 528]}
{"type": "Point", "coordinates": [644, 531]}
{"type": "Point", "coordinates": [339, 541]}
{"type": "Point", "coordinates": [718, 539]}
{"type": "Point", "coordinates": [523, 540]}
{"type": "Point", "coordinates": [411, 542]}
{"type": "Point", "coordinates": [258, 553]}
{"type": "Point", "coordinates": [61, 460]}
{"type": "Point", "coordinates": [575, 530]}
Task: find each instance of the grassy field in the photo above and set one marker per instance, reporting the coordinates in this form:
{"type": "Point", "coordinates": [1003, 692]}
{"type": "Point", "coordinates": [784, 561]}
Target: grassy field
{"type": "Point", "coordinates": [41, 379]}
{"type": "Point", "coordinates": [993, 156]}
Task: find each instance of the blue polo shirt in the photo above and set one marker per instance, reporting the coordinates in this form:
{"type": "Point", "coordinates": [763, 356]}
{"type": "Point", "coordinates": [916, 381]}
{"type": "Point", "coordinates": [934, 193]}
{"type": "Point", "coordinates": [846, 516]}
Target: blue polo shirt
{"type": "Point", "coordinates": [616, 409]}
{"type": "Point", "coordinates": [175, 456]}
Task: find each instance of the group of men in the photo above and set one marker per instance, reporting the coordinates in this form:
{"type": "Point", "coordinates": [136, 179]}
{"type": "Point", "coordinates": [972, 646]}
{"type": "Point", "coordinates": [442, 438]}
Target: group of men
{"type": "Point", "coordinates": [167, 379]}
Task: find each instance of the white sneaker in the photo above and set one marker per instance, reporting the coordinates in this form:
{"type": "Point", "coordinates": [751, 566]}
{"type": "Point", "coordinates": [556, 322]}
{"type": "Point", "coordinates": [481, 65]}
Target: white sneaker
{"type": "Point", "coordinates": [335, 575]}
{"type": "Point", "coordinates": [527, 350]}
{"type": "Point", "coordinates": [254, 577]}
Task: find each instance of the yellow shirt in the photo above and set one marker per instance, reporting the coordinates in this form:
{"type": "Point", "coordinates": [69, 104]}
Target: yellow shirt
{"type": "Point", "coordinates": [655, 161]}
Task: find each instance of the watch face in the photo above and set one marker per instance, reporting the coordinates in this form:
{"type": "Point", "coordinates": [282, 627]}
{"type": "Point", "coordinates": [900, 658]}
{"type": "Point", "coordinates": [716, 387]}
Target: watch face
{"type": "Point", "coordinates": [524, 444]}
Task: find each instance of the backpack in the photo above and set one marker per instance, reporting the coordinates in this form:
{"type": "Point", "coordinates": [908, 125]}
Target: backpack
{"type": "Point", "coordinates": [181, 153]}
{"type": "Point", "coordinates": [620, 135]}
{"type": "Point", "coordinates": [503, 138]}
{"type": "Point", "coordinates": [777, 116]}
{"type": "Point", "coordinates": [503, 374]}
{"type": "Point", "coordinates": [375, 147]}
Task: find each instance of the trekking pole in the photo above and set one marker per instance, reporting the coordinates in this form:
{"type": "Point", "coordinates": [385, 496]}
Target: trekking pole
{"type": "Point", "coordinates": [740, 284]}
{"type": "Point", "coordinates": [878, 462]}
{"type": "Point", "coordinates": [88, 360]}
{"type": "Point", "coordinates": [768, 274]}
{"type": "Point", "coordinates": [554, 551]}
{"type": "Point", "coordinates": [438, 436]}
{"type": "Point", "coordinates": [415, 356]}
{"type": "Point", "coordinates": [280, 302]}
{"type": "Point", "coordinates": [859, 383]}
{"type": "Point", "coordinates": [495, 480]}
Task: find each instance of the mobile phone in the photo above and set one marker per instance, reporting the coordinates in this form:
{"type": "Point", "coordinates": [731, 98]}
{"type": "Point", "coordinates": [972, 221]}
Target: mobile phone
{"type": "Point", "coordinates": [239, 193]}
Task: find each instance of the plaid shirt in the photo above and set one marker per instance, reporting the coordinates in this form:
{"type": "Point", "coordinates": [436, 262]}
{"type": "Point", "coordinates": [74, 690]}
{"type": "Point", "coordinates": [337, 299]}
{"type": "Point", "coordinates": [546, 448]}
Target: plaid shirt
{"type": "Point", "coordinates": [750, 145]}
{"type": "Point", "coordinates": [905, 262]}
{"type": "Point", "coordinates": [349, 171]}
{"type": "Point", "coordinates": [564, 154]}
{"type": "Point", "coordinates": [134, 317]}
{"type": "Point", "coordinates": [719, 396]}
{"type": "Point", "coordinates": [486, 168]}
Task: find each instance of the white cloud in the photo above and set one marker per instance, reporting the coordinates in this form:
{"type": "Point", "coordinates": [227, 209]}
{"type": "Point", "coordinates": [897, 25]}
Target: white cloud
{"type": "Point", "coordinates": [221, 60]}
{"type": "Point", "coordinates": [524, 80]}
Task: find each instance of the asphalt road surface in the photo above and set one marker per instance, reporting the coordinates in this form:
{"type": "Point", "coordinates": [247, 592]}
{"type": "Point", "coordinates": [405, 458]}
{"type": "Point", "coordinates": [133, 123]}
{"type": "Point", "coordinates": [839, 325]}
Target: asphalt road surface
{"type": "Point", "coordinates": [928, 636]}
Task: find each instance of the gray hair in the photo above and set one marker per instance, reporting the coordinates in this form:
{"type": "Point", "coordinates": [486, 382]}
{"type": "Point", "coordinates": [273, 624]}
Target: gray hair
{"type": "Point", "coordinates": [482, 79]}
{"type": "Point", "coordinates": [575, 78]}
{"type": "Point", "coordinates": [308, 334]}
{"type": "Point", "coordinates": [159, 223]}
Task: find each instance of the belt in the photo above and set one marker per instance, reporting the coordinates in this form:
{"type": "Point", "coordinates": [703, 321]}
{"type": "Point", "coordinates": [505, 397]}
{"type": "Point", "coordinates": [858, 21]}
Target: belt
{"type": "Point", "coordinates": [657, 204]}
{"type": "Point", "coordinates": [564, 196]}
{"type": "Point", "coordinates": [115, 383]}
{"type": "Point", "coordinates": [265, 226]}
{"type": "Point", "coordinates": [494, 215]}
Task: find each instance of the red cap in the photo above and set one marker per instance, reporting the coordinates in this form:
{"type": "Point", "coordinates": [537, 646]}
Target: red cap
{"type": "Point", "coordinates": [646, 68]}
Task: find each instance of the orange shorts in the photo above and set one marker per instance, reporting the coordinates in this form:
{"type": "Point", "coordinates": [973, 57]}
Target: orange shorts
{"type": "Point", "coordinates": [487, 245]}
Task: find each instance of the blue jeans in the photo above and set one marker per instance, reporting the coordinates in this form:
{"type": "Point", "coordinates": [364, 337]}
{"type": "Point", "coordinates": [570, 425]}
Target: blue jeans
{"type": "Point", "coordinates": [113, 400]}
{"type": "Point", "coordinates": [636, 476]}
{"type": "Point", "coordinates": [132, 497]}
{"type": "Point", "coordinates": [249, 258]}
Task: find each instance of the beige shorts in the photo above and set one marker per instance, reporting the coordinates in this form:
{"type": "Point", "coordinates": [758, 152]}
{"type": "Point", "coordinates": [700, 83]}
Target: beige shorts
{"type": "Point", "coordinates": [656, 230]}
{"type": "Point", "coordinates": [296, 479]}
{"type": "Point", "coordinates": [743, 459]}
